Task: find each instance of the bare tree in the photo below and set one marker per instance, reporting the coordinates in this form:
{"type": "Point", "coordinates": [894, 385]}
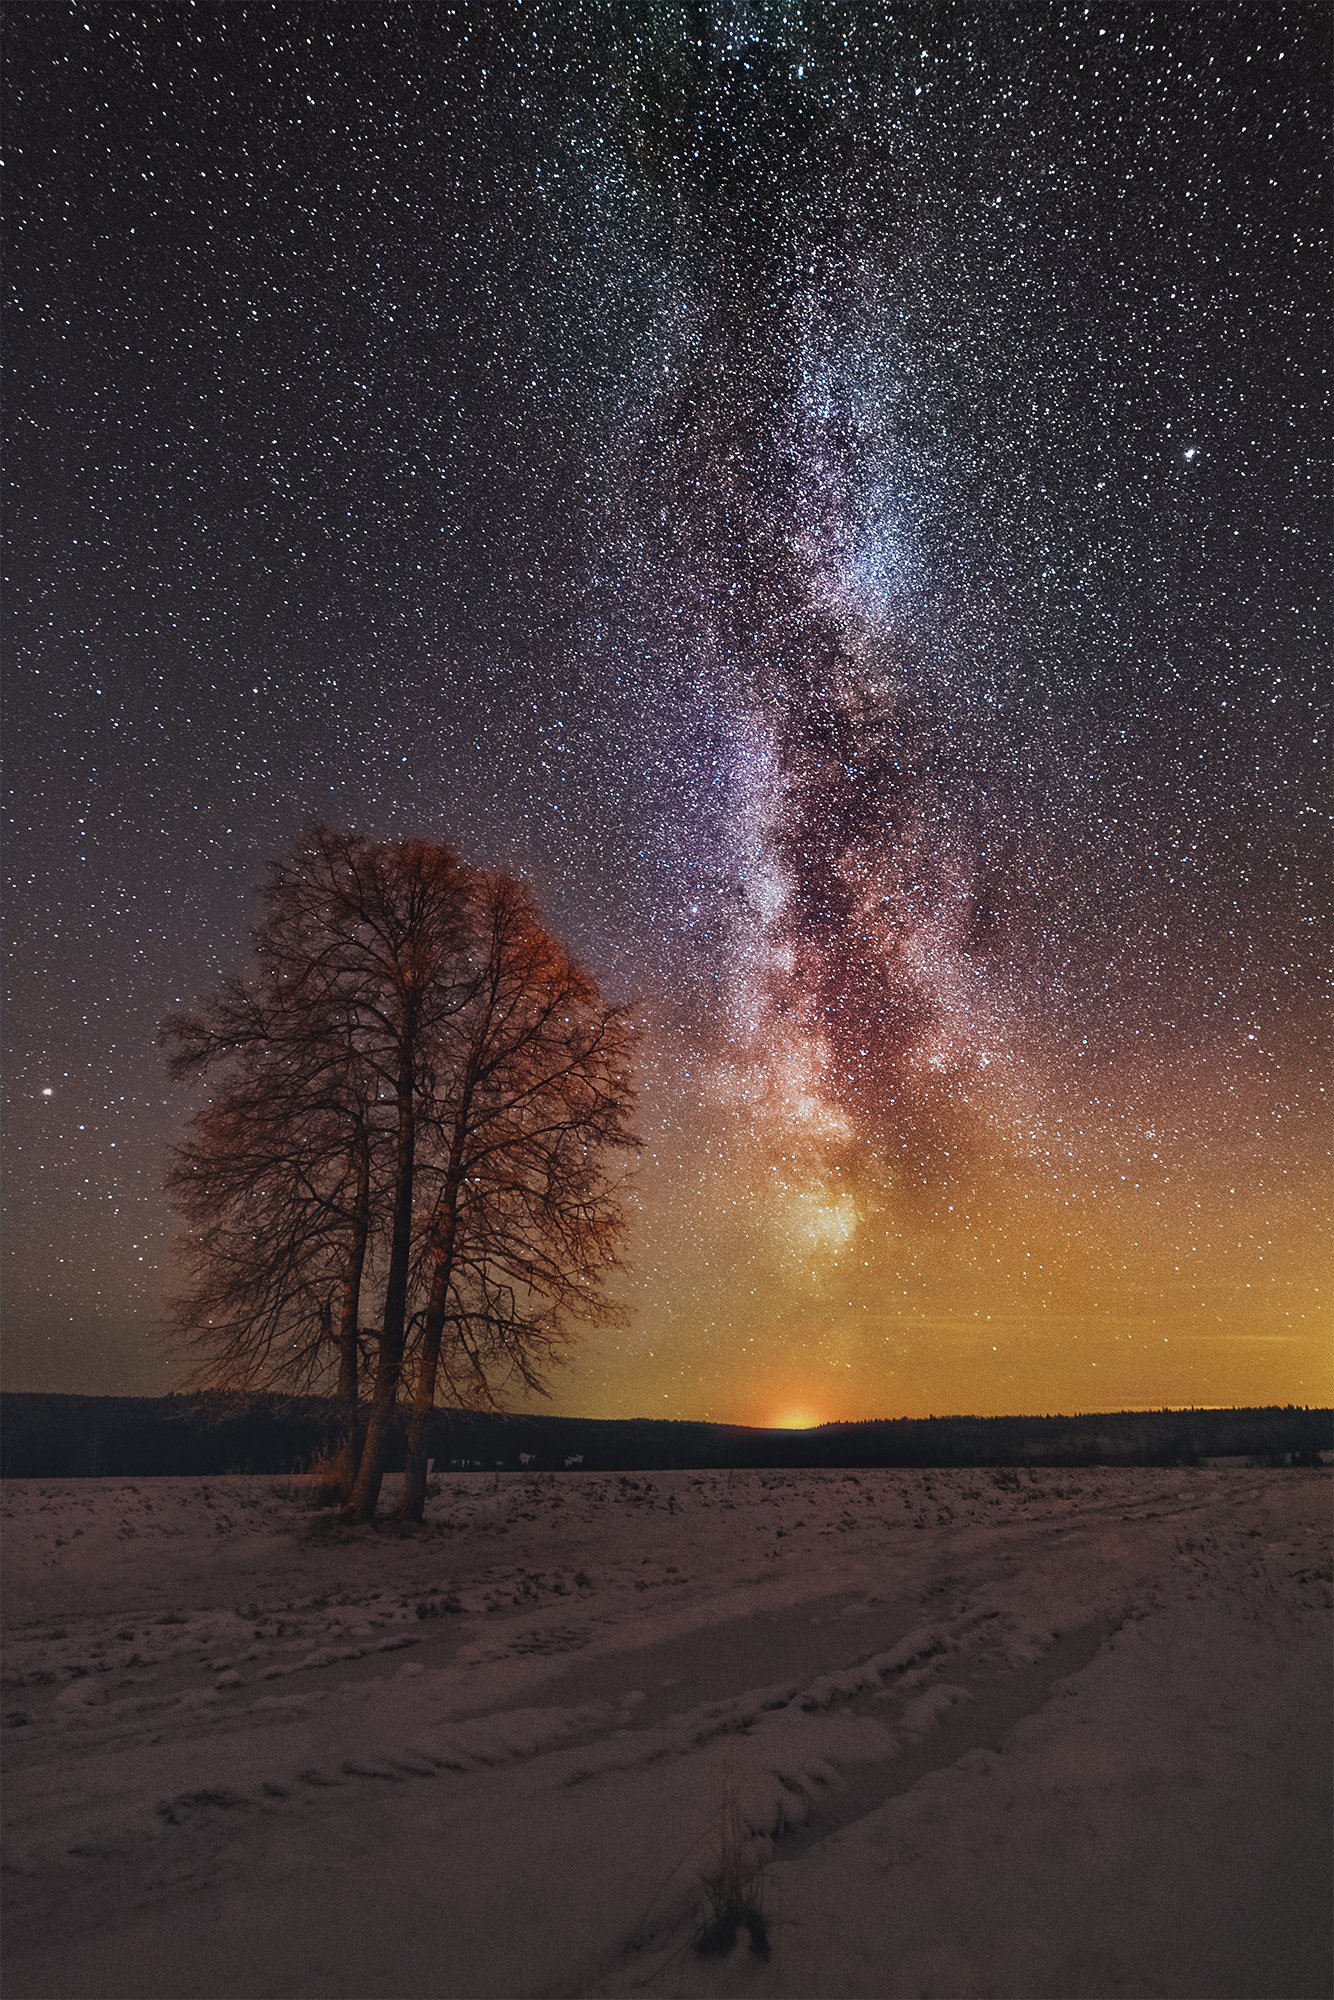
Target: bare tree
{"type": "Point", "coordinates": [271, 1248]}
{"type": "Point", "coordinates": [523, 1218]}
{"type": "Point", "coordinates": [379, 930]}
{"type": "Point", "coordinates": [415, 1094]}
{"type": "Point", "coordinates": [276, 1183]}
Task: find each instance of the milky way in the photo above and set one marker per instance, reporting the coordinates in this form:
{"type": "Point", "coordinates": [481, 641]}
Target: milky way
{"type": "Point", "coordinates": [836, 498]}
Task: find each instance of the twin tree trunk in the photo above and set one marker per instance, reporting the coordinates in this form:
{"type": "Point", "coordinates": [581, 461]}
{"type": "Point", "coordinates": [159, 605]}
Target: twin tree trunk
{"type": "Point", "coordinates": [389, 1365]}
{"type": "Point", "coordinates": [412, 1499]}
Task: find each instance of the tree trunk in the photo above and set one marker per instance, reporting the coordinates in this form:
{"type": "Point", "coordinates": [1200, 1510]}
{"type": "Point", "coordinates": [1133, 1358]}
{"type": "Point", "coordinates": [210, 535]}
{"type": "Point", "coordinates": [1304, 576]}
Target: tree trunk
{"type": "Point", "coordinates": [412, 1497]}
{"type": "Point", "coordinates": [389, 1362]}
{"type": "Point", "coordinates": [349, 1325]}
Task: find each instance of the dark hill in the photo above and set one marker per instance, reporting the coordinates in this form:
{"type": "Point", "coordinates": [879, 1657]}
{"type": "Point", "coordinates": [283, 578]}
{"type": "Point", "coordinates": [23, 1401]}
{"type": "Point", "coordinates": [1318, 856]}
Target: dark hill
{"type": "Point", "coordinates": [47, 1436]}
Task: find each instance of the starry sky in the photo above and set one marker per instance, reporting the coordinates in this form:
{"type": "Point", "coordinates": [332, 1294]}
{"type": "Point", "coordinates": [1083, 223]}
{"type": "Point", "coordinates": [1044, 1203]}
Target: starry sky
{"type": "Point", "coordinates": [836, 497]}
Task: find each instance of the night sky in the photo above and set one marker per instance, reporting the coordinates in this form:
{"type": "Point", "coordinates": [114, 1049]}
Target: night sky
{"type": "Point", "coordinates": [836, 497]}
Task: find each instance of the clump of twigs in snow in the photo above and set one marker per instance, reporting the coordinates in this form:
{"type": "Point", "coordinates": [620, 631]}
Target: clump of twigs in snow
{"type": "Point", "coordinates": [733, 1890]}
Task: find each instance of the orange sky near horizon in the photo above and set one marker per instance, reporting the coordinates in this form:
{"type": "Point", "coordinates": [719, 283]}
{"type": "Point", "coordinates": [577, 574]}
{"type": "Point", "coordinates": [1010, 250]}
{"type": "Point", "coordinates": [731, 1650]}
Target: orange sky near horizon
{"type": "Point", "coordinates": [1152, 1260]}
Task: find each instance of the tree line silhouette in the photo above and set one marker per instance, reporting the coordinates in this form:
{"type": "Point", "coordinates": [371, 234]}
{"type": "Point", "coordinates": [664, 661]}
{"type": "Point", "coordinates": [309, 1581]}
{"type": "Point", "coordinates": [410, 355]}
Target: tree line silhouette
{"type": "Point", "coordinates": [54, 1437]}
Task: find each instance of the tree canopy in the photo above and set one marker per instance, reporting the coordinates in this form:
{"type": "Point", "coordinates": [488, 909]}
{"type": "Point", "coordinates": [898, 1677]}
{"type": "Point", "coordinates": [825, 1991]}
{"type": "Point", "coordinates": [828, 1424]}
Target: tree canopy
{"type": "Point", "coordinates": [406, 1165]}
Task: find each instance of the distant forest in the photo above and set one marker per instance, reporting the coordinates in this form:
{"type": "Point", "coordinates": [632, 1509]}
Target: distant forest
{"type": "Point", "coordinates": [82, 1437]}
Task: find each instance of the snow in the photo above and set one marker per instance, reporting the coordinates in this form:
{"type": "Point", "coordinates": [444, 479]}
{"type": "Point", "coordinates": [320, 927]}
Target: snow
{"type": "Point", "coordinates": [956, 1734]}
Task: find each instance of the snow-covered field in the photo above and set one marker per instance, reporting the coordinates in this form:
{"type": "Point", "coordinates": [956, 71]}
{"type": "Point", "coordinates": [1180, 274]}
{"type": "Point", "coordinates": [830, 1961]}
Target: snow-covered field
{"type": "Point", "coordinates": [951, 1733]}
